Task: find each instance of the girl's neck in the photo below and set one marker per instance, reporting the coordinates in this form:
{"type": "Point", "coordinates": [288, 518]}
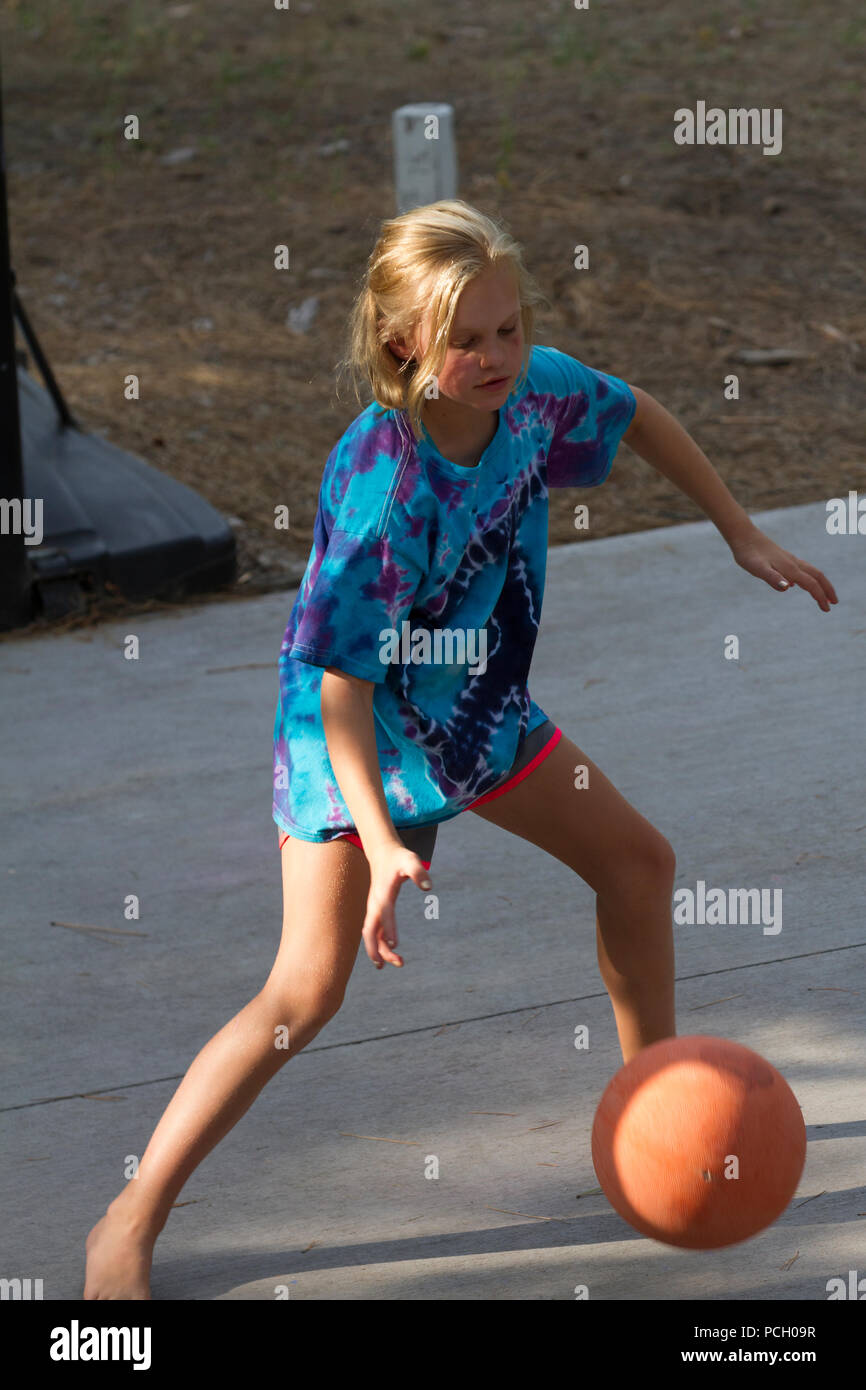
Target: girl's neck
{"type": "Point", "coordinates": [460, 436]}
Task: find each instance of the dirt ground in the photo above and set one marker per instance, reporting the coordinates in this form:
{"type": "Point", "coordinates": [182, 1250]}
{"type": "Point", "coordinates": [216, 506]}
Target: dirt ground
{"type": "Point", "coordinates": [155, 256]}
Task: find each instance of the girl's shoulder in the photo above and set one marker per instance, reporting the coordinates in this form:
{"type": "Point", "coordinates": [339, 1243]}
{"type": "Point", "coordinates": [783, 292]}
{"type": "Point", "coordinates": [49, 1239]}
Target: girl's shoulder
{"type": "Point", "coordinates": [559, 374]}
{"type": "Point", "coordinates": [374, 484]}
{"type": "Point", "coordinates": [554, 371]}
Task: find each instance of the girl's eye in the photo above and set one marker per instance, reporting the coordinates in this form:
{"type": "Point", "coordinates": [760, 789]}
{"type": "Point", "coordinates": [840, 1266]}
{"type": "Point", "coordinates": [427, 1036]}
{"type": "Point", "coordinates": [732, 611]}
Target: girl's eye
{"type": "Point", "coordinates": [506, 331]}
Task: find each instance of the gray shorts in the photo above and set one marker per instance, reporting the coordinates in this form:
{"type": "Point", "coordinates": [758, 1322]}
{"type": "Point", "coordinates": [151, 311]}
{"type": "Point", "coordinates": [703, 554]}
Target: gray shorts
{"type": "Point", "coordinates": [421, 839]}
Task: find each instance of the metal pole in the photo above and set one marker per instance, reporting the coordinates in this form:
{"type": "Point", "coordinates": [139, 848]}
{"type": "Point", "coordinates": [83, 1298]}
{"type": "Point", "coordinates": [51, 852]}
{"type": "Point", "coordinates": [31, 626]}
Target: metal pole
{"type": "Point", "coordinates": [16, 591]}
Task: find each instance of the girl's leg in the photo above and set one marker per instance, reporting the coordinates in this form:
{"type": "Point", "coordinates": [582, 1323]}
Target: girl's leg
{"type": "Point", "coordinates": [325, 890]}
{"type": "Point", "coordinates": [628, 863]}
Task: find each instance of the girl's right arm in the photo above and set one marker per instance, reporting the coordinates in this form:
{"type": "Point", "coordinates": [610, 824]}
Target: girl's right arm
{"type": "Point", "coordinates": [350, 733]}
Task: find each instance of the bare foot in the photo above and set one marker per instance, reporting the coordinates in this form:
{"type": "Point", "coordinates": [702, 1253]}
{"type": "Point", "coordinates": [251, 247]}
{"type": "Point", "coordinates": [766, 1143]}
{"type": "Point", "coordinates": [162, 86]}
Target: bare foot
{"type": "Point", "coordinates": [119, 1256]}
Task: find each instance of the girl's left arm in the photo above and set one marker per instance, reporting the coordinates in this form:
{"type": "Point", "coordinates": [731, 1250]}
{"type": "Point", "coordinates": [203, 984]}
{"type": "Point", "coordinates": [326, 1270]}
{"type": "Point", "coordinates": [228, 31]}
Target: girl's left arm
{"type": "Point", "coordinates": [656, 436]}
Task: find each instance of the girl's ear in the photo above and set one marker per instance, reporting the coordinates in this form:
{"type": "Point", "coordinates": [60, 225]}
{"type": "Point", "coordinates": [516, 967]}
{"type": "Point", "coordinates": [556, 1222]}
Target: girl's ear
{"type": "Point", "coordinates": [398, 347]}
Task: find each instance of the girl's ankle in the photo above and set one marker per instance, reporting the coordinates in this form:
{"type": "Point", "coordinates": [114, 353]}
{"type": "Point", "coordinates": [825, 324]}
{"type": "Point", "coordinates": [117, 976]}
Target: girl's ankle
{"type": "Point", "coordinates": [139, 1220]}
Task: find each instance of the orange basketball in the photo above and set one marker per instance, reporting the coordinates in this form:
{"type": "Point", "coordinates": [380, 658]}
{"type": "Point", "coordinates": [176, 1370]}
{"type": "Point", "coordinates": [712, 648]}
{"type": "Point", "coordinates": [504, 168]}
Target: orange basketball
{"type": "Point", "coordinates": [698, 1142]}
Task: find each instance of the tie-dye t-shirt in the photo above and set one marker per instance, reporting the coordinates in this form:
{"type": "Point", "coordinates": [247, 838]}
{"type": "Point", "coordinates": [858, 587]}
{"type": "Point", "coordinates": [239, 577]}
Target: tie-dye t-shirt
{"type": "Point", "coordinates": [426, 578]}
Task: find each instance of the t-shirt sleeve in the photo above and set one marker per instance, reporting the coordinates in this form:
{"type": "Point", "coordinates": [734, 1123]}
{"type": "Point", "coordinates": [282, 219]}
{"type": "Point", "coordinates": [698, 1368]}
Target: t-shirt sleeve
{"type": "Point", "coordinates": [361, 586]}
{"type": "Point", "coordinates": [592, 412]}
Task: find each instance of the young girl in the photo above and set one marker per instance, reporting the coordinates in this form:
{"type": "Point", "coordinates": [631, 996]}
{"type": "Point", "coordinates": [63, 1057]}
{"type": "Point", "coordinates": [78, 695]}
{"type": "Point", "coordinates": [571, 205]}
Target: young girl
{"type": "Point", "coordinates": [403, 671]}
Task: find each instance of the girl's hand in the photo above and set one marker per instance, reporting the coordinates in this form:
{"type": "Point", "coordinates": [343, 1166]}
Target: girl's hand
{"type": "Point", "coordinates": [389, 866]}
{"type": "Point", "coordinates": [780, 569]}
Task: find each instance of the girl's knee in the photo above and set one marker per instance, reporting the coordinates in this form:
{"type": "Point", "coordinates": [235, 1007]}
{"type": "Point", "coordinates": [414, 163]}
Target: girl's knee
{"type": "Point", "coordinates": [648, 865]}
{"type": "Point", "coordinates": [296, 1016]}
{"type": "Point", "coordinates": [660, 856]}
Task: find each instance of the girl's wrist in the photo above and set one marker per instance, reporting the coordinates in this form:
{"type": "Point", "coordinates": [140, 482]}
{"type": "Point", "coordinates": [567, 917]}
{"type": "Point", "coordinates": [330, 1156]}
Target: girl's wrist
{"type": "Point", "coordinates": [740, 531]}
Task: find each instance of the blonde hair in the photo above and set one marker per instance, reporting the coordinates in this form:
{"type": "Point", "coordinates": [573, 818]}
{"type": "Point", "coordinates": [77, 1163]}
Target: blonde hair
{"type": "Point", "coordinates": [420, 264]}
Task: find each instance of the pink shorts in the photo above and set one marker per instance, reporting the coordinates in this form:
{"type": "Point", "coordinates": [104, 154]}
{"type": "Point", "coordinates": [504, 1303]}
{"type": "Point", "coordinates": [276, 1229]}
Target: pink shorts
{"type": "Point", "coordinates": [536, 747]}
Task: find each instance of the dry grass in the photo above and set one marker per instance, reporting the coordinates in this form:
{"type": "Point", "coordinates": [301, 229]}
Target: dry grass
{"type": "Point", "coordinates": [127, 263]}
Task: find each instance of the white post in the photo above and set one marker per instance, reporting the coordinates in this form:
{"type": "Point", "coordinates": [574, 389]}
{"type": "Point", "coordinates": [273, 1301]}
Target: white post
{"type": "Point", "coordinates": [425, 155]}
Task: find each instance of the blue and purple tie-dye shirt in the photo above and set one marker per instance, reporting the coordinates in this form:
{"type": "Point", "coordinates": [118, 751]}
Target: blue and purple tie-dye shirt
{"type": "Point", "coordinates": [426, 578]}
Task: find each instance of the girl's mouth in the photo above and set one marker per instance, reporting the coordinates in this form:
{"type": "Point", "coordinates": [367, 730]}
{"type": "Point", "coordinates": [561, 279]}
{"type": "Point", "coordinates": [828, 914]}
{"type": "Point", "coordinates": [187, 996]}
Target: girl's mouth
{"type": "Point", "coordinates": [493, 385]}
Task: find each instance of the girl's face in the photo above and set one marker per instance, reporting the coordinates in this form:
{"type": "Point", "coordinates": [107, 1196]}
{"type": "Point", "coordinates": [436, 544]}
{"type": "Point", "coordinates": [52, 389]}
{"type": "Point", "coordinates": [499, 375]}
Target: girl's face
{"type": "Point", "coordinates": [486, 342]}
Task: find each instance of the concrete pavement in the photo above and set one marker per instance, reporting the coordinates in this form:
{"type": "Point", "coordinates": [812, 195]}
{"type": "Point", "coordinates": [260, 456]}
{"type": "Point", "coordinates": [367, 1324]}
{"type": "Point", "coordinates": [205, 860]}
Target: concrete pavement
{"type": "Point", "coordinates": [152, 778]}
